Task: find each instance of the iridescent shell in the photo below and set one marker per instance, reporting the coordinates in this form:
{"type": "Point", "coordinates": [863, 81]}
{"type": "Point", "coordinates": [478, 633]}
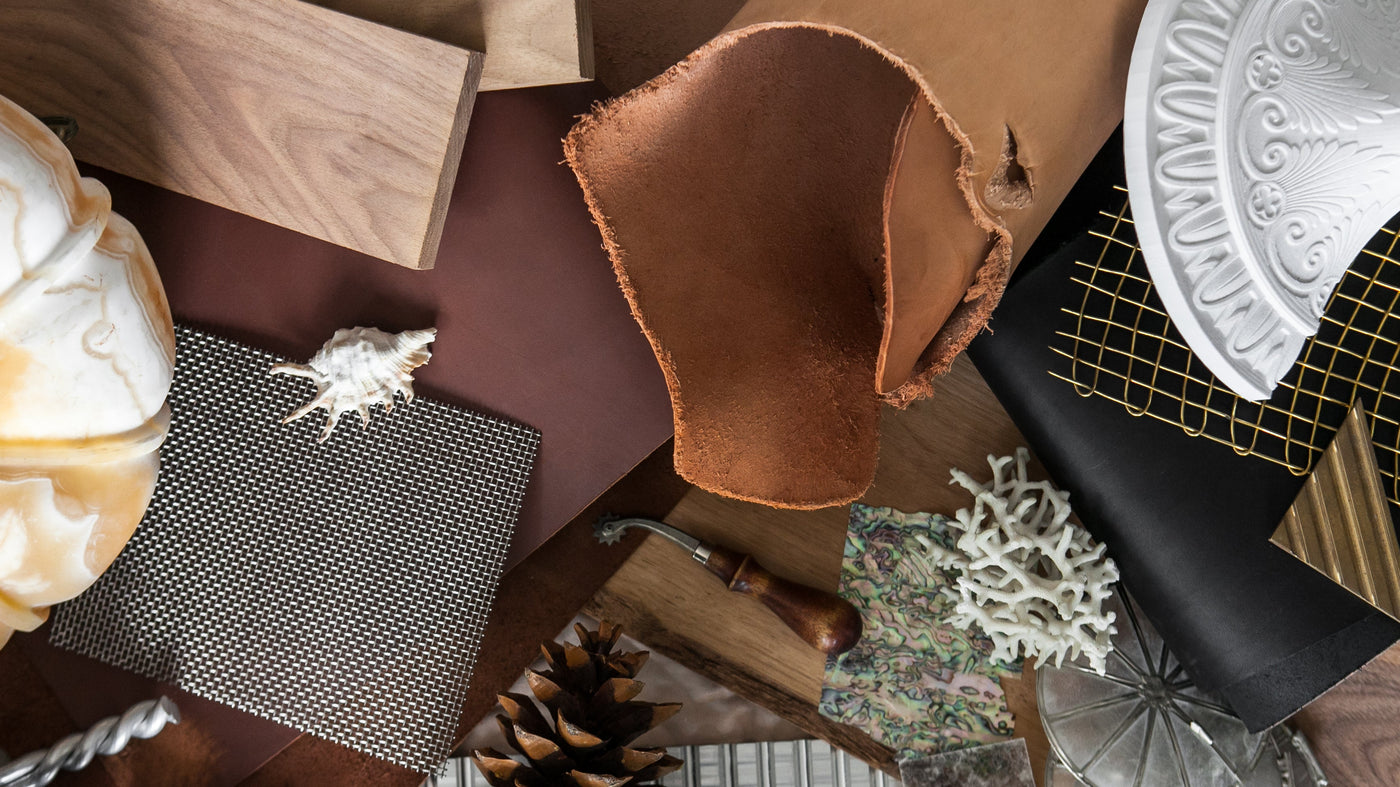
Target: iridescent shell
{"type": "Point", "coordinates": [87, 351]}
{"type": "Point", "coordinates": [360, 367]}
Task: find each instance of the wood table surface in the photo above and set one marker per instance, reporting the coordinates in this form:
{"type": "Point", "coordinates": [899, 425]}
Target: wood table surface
{"type": "Point", "coordinates": [671, 603]}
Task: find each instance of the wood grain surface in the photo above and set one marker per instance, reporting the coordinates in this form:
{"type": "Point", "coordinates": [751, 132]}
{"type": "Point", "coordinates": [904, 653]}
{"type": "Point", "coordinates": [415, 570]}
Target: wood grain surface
{"type": "Point", "coordinates": [660, 601]}
{"type": "Point", "coordinates": [527, 42]}
{"type": "Point", "coordinates": [330, 125]}
{"type": "Point", "coordinates": [1355, 728]}
{"type": "Point", "coordinates": [672, 604]}
{"type": "Point", "coordinates": [1021, 700]}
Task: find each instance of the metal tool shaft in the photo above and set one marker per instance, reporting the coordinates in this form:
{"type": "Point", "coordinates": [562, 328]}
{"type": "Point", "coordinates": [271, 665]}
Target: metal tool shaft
{"type": "Point", "coordinates": [698, 549]}
{"type": "Point", "coordinates": [73, 753]}
{"type": "Point", "coordinates": [824, 620]}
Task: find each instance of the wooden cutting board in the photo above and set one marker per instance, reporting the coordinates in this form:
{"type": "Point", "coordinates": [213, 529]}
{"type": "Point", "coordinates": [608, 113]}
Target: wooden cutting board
{"type": "Point", "coordinates": [675, 606]}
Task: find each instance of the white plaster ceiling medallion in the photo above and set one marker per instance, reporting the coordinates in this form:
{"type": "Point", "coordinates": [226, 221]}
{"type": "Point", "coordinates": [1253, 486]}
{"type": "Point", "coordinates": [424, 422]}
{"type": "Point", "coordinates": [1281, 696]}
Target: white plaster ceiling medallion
{"type": "Point", "coordinates": [1262, 140]}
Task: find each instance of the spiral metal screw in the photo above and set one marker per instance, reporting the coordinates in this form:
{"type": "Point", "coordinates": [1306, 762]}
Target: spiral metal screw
{"type": "Point", "coordinates": [73, 753]}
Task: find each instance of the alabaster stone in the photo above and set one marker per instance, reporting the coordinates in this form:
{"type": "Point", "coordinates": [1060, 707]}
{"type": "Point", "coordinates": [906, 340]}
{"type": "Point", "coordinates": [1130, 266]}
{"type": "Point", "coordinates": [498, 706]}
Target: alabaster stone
{"type": "Point", "coordinates": [1262, 143]}
{"type": "Point", "coordinates": [87, 350]}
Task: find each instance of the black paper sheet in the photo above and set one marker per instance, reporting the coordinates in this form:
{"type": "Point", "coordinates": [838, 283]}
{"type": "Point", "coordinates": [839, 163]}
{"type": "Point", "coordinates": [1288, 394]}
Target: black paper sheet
{"type": "Point", "coordinates": [1187, 519]}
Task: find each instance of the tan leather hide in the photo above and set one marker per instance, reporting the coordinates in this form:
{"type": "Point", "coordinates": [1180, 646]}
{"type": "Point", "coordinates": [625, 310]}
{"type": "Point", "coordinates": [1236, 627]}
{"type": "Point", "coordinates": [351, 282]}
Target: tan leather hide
{"type": "Point", "coordinates": [818, 209]}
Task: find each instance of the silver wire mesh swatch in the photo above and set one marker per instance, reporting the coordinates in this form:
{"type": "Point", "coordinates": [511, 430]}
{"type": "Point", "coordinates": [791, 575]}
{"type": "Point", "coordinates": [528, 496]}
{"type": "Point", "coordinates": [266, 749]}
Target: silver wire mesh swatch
{"type": "Point", "coordinates": [340, 588]}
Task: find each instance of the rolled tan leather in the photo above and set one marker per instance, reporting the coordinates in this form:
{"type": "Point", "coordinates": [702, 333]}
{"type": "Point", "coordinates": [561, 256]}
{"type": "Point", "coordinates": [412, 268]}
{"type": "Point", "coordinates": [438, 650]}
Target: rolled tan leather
{"type": "Point", "coordinates": [817, 210]}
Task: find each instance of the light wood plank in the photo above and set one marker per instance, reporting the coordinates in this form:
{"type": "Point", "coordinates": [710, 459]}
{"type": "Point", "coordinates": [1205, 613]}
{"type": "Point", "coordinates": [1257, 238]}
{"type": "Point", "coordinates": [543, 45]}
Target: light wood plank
{"type": "Point", "coordinates": [1025, 707]}
{"type": "Point", "coordinates": [329, 125]}
{"type": "Point", "coordinates": [527, 42]}
{"type": "Point", "coordinates": [672, 604]}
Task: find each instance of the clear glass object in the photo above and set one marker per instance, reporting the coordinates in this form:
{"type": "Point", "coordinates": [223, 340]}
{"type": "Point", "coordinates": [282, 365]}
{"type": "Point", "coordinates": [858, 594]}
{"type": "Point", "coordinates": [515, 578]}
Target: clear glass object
{"type": "Point", "coordinates": [1144, 722]}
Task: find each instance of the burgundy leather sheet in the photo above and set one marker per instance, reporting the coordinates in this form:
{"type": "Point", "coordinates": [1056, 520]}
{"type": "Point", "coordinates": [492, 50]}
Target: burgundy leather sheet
{"type": "Point", "coordinates": [531, 326]}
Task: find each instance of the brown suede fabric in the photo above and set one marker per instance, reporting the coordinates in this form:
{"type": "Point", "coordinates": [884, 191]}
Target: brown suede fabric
{"type": "Point", "coordinates": [815, 212]}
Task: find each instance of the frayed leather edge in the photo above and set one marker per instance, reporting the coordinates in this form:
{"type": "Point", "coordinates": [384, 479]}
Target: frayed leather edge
{"type": "Point", "coordinates": [966, 321]}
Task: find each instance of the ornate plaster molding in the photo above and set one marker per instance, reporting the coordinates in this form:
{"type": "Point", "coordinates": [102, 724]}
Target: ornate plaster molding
{"type": "Point", "coordinates": [1262, 141]}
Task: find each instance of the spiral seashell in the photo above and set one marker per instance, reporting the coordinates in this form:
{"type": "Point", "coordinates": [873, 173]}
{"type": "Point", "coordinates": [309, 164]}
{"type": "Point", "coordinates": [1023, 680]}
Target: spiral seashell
{"type": "Point", "coordinates": [360, 367]}
{"type": "Point", "coordinates": [106, 737]}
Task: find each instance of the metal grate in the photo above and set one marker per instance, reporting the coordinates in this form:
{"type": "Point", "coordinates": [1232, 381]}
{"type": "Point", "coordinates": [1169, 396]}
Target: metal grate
{"type": "Point", "coordinates": [1123, 347]}
{"type": "Point", "coordinates": [784, 764]}
{"type": "Point", "coordinates": [340, 588]}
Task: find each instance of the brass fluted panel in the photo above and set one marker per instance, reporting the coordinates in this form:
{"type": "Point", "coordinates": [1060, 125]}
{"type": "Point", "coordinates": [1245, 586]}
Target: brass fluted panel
{"type": "Point", "coordinates": [1340, 523]}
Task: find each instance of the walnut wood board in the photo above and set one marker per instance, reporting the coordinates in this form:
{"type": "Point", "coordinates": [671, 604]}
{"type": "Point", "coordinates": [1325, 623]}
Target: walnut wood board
{"type": "Point", "coordinates": [1340, 522]}
{"type": "Point", "coordinates": [317, 121]}
{"type": "Point", "coordinates": [671, 603]}
{"type": "Point", "coordinates": [1354, 729]}
{"type": "Point", "coordinates": [527, 42]}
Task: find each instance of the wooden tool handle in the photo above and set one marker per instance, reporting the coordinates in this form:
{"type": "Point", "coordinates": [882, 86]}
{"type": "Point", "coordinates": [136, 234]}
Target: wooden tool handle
{"type": "Point", "coordinates": [826, 621]}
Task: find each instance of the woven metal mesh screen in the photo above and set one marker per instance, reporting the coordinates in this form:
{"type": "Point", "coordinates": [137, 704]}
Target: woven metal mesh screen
{"type": "Point", "coordinates": [339, 588]}
{"type": "Point", "coordinates": [1121, 345]}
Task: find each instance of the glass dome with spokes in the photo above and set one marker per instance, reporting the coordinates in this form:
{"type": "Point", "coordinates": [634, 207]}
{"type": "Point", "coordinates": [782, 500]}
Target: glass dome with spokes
{"type": "Point", "coordinates": [1144, 723]}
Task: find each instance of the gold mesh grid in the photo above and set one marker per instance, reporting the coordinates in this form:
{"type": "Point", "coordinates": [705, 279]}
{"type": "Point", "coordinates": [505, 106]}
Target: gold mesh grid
{"type": "Point", "coordinates": [1123, 347]}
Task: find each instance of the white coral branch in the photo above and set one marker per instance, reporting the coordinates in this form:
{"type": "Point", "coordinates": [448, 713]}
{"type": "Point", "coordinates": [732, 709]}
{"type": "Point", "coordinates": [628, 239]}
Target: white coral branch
{"type": "Point", "coordinates": [1029, 578]}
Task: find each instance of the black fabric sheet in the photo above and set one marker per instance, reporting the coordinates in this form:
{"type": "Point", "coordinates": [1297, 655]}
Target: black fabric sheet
{"type": "Point", "coordinates": [1187, 519]}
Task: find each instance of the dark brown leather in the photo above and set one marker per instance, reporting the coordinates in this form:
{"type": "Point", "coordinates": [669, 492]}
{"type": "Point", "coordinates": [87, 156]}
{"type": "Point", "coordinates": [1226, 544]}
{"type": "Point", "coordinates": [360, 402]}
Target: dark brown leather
{"type": "Point", "coordinates": [31, 717]}
{"type": "Point", "coordinates": [749, 240]}
{"type": "Point", "coordinates": [202, 749]}
{"type": "Point", "coordinates": [931, 266]}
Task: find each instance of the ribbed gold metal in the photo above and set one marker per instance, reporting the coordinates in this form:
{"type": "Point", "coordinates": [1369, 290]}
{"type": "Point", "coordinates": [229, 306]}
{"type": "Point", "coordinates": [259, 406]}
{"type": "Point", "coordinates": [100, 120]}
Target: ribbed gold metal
{"type": "Point", "coordinates": [1340, 523]}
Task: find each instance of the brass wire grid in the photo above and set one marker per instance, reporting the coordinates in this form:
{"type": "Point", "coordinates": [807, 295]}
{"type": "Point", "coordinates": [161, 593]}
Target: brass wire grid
{"type": "Point", "coordinates": [1122, 346]}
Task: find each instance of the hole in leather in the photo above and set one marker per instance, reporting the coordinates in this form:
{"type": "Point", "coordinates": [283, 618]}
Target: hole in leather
{"type": "Point", "coordinates": [1010, 185]}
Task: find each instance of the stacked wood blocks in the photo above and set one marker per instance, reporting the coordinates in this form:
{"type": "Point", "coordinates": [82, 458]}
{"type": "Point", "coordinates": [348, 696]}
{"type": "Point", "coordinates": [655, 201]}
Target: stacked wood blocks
{"type": "Point", "coordinates": [328, 124]}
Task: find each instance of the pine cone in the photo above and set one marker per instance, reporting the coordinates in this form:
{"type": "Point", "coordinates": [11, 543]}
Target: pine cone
{"type": "Point", "coordinates": [581, 737]}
